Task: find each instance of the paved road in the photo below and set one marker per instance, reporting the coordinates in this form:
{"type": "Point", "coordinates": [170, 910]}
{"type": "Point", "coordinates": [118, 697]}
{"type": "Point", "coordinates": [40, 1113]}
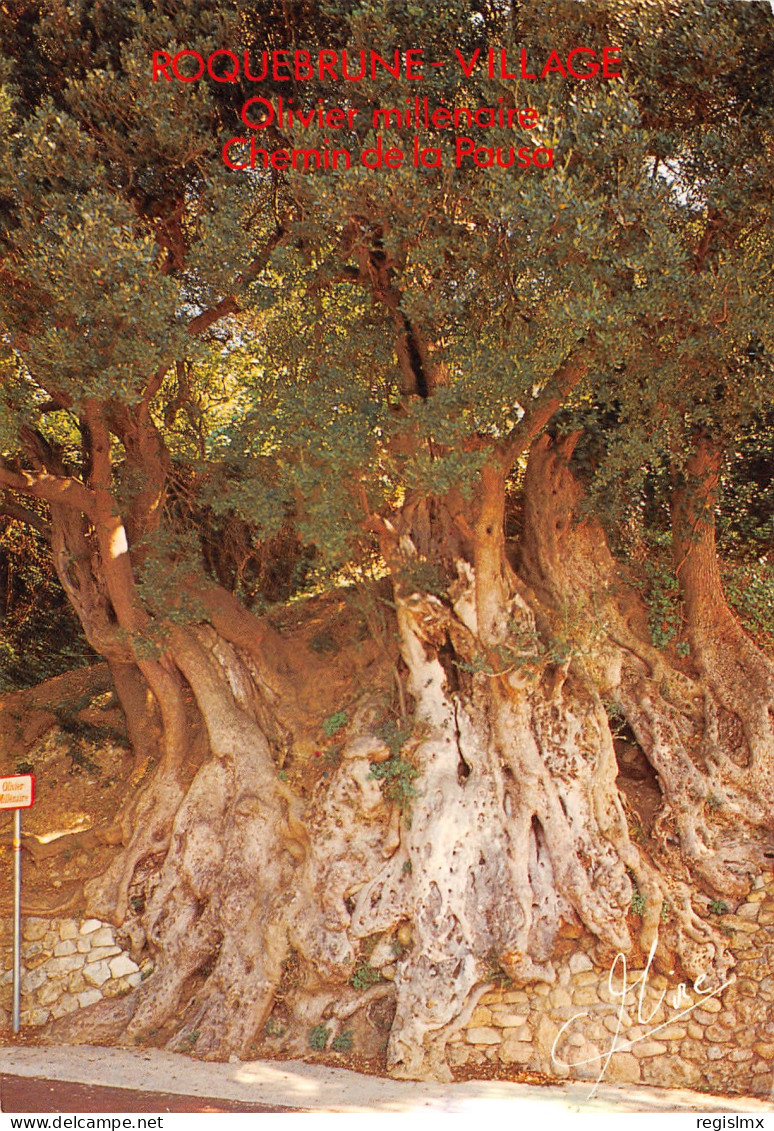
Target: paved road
{"type": "Point", "coordinates": [97, 1078]}
{"type": "Point", "coordinates": [33, 1094]}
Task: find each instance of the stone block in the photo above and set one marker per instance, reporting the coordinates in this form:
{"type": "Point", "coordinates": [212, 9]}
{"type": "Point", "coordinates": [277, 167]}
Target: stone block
{"type": "Point", "coordinates": [515, 1052]}
{"type": "Point", "coordinates": [34, 929]}
{"type": "Point", "coordinates": [103, 937]}
{"type": "Point", "coordinates": [744, 926]}
{"type": "Point", "coordinates": [765, 1049]}
{"type": "Point", "coordinates": [89, 926]}
{"type": "Point", "coordinates": [746, 987]}
{"type": "Point", "coordinates": [515, 997]}
{"type": "Point", "coordinates": [33, 1017]}
{"type": "Point", "coordinates": [68, 929]}
{"type": "Point", "coordinates": [66, 1004]}
{"type": "Point", "coordinates": [66, 946]}
{"type": "Point", "coordinates": [709, 1006]}
{"type": "Point", "coordinates": [484, 1035]}
{"type": "Point", "coordinates": [580, 962]}
{"type": "Point", "coordinates": [457, 1055]}
{"type": "Point", "coordinates": [49, 993]}
{"type": "Point", "coordinates": [123, 965]}
{"type": "Point", "coordinates": [623, 1068]}
{"type": "Point", "coordinates": [644, 1049]}
{"type": "Point", "coordinates": [33, 980]}
{"type": "Point", "coordinates": [586, 978]}
{"type": "Point", "coordinates": [96, 973]}
{"type": "Point", "coordinates": [36, 960]}
{"type": "Point", "coordinates": [672, 1072]}
{"type": "Point", "coordinates": [89, 997]}
{"type": "Point", "coordinates": [611, 1022]}
{"type": "Point", "coordinates": [480, 1016]}
{"type": "Point", "coordinates": [560, 997]}
{"type": "Point", "coordinates": [506, 1018]}
{"type": "Point", "coordinates": [66, 963]}
{"type": "Point", "coordinates": [76, 983]}
{"type": "Point", "coordinates": [748, 911]}
{"type": "Point", "coordinates": [546, 1032]}
{"type": "Point", "coordinates": [98, 952]}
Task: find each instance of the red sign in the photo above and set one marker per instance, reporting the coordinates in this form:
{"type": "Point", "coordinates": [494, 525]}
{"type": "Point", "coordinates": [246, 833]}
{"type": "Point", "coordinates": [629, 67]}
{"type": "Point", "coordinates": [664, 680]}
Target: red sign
{"type": "Point", "coordinates": [17, 792]}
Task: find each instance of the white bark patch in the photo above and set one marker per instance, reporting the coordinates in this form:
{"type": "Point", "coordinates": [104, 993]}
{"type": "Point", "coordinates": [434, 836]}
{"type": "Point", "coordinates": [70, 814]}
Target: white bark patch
{"type": "Point", "coordinates": [118, 542]}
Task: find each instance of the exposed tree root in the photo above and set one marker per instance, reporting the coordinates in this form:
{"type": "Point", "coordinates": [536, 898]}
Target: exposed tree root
{"type": "Point", "coordinates": [516, 823]}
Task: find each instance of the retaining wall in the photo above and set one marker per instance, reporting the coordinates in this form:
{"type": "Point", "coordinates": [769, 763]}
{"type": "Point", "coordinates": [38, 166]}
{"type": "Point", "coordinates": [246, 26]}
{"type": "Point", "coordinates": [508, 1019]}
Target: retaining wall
{"type": "Point", "coordinates": [665, 1035]}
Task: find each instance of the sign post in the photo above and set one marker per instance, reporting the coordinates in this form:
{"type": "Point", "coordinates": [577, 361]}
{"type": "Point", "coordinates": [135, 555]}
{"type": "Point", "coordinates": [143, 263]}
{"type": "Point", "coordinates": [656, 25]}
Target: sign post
{"type": "Point", "coordinates": [17, 792]}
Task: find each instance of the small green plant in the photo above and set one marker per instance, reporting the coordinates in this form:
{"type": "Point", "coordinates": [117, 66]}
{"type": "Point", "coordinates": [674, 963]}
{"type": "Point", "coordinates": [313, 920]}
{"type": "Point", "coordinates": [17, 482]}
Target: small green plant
{"type": "Point", "coordinates": [495, 972]}
{"type": "Point", "coordinates": [274, 1028]}
{"type": "Point", "coordinates": [393, 736]}
{"type": "Point", "coordinates": [662, 593]}
{"type": "Point", "coordinates": [318, 1038]}
{"type": "Point", "coordinates": [713, 803]}
{"type": "Point", "coordinates": [344, 1041]}
{"type": "Point", "coordinates": [364, 977]}
{"type": "Point", "coordinates": [333, 724]}
{"type": "Point", "coordinates": [718, 907]}
{"type": "Point", "coordinates": [638, 902]}
{"type": "Point", "coordinates": [189, 1040]}
{"type": "Point", "coordinates": [396, 778]}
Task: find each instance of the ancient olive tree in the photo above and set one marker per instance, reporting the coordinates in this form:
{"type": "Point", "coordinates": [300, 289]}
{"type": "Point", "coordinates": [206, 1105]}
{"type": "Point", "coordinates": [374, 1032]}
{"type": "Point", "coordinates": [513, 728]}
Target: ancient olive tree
{"type": "Point", "coordinates": [452, 375]}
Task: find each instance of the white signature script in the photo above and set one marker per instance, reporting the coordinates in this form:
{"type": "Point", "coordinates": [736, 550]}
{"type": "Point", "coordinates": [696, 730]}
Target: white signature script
{"type": "Point", "coordinates": [620, 990]}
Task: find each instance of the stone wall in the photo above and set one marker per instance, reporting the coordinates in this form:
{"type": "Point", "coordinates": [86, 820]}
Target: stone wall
{"type": "Point", "coordinates": [66, 964]}
{"type": "Point", "coordinates": [669, 1036]}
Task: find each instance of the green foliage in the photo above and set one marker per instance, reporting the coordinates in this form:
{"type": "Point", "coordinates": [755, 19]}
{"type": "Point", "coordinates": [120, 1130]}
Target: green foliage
{"type": "Point", "coordinates": [365, 976]}
{"type": "Point", "coordinates": [318, 1037]}
{"type": "Point", "coordinates": [40, 636]}
{"type": "Point", "coordinates": [297, 412]}
{"type": "Point", "coordinates": [396, 780]}
{"type": "Point", "coordinates": [750, 590]}
{"type": "Point", "coordinates": [718, 907]}
{"type": "Point", "coordinates": [393, 735]}
{"type": "Point", "coordinates": [638, 902]}
{"type": "Point", "coordinates": [334, 723]}
{"type": "Point", "coordinates": [343, 1042]}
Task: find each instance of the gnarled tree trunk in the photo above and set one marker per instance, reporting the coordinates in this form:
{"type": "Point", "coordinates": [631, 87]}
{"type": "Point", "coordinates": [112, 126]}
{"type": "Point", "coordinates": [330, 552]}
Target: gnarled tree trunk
{"type": "Point", "coordinates": [512, 820]}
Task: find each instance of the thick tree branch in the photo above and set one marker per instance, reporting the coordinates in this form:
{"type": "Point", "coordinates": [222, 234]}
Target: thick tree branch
{"type": "Point", "coordinates": [22, 514]}
{"type": "Point", "coordinates": [536, 417]}
{"type": "Point", "coordinates": [63, 490]}
{"type": "Point", "coordinates": [230, 304]}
